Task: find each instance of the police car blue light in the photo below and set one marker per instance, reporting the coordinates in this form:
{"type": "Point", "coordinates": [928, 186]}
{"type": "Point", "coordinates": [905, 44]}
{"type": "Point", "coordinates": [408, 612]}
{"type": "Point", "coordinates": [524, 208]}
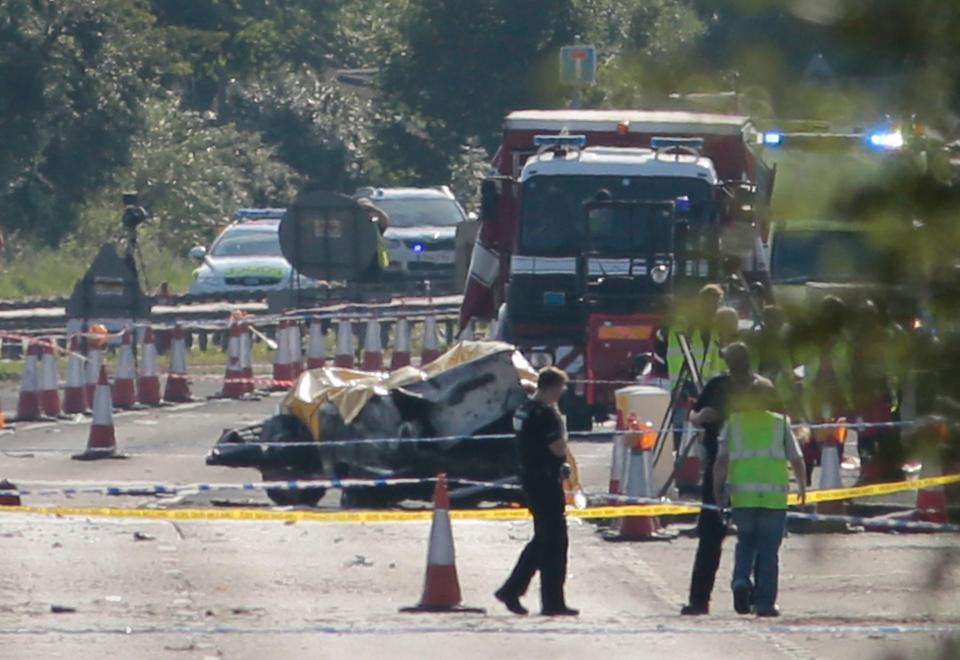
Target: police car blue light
{"type": "Point", "coordinates": [559, 140]}
{"type": "Point", "coordinates": [417, 247]}
{"type": "Point", "coordinates": [773, 139]}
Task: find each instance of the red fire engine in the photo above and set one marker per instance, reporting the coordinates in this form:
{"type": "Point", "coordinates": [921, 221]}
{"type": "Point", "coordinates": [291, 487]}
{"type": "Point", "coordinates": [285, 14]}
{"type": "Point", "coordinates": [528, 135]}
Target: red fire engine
{"type": "Point", "coordinates": [595, 218]}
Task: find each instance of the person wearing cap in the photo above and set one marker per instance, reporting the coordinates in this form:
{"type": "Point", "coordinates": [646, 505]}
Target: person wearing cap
{"type": "Point", "coordinates": [755, 447]}
{"type": "Point", "coordinates": [541, 439]}
{"type": "Point", "coordinates": [709, 414]}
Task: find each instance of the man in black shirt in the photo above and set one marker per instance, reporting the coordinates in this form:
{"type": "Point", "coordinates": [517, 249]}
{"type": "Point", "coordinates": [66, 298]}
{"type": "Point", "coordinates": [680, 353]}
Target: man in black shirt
{"type": "Point", "coordinates": [709, 413]}
{"type": "Point", "coordinates": [541, 438]}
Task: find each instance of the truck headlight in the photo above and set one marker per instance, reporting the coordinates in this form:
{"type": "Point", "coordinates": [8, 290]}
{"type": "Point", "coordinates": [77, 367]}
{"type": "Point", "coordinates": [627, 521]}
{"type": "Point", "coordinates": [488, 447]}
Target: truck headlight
{"type": "Point", "coordinates": [660, 273]}
{"type": "Point", "coordinates": [541, 359]}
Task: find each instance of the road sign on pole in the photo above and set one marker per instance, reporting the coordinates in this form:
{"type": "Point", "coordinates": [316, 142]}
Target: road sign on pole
{"type": "Point", "coordinates": [578, 65]}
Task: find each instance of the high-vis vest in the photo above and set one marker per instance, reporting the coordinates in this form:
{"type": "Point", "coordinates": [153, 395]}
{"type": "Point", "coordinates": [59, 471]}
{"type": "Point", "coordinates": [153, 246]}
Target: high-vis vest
{"type": "Point", "coordinates": [708, 359]}
{"type": "Point", "coordinates": [758, 460]}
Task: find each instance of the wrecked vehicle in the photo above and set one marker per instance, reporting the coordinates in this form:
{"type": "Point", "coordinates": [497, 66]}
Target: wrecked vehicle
{"type": "Point", "coordinates": [336, 415]}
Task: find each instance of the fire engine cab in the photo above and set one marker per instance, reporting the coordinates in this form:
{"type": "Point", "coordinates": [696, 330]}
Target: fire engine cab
{"type": "Point", "coordinates": [595, 220]}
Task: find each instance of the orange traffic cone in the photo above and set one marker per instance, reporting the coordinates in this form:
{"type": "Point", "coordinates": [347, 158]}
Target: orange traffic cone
{"type": "Point", "coordinates": [639, 485]}
{"type": "Point", "coordinates": [617, 460]}
{"type": "Point", "coordinates": [283, 371]}
{"type": "Point", "coordinates": [49, 380]}
{"type": "Point", "coordinates": [28, 406]}
{"type": "Point", "coordinates": [296, 347]}
{"type": "Point", "coordinates": [246, 358]}
{"type": "Point", "coordinates": [177, 389]}
{"type": "Point", "coordinates": [372, 347]}
{"type": "Point", "coordinates": [401, 345]}
{"type": "Point", "coordinates": [94, 361]}
{"type": "Point", "coordinates": [149, 382]}
{"type": "Point", "coordinates": [75, 391]}
{"type": "Point", "coordinates": [317, 348]}
{"type": "Point", "coordinates": [233, 377]}
{"type": "Point", "coordinates": [102, 442]}
{"type": "Point", "coordinates": [344, 355]}
{"type": "Point", "coordinates": [441, 588]}
{"type": "Point", "coordinates": [9, 495]}
{"type": "Point", "coordinates": [831, 443]}
{"type": "Point", "coordinates": [124, 390]}
{"type": "Point", "coordinates": [932, 502]}
{"type": "Point", "coordinates": [431, 342]}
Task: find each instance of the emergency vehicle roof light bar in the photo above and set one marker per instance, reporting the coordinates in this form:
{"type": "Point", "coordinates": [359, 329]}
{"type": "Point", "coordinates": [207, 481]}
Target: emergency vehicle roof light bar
{"type": "Point", "coordinates": [676, 142]}
{"type": "Point", "coordinates": [560, 141]}
{"type": "Point", "coordinates": [259, 214]}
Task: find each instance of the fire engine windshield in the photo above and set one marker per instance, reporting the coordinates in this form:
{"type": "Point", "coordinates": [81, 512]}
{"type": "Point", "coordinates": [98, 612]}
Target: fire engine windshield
{"type": "Point", "coordinates": [553, 221]}
{"type": "Point", "coordinates": [824, 256]}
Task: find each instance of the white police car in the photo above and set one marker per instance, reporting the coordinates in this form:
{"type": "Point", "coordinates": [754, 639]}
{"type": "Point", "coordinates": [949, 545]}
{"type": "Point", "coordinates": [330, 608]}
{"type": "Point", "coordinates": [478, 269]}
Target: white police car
{"type": "Point", "coordinates": [421, 227]}
{"type": "Point", "coordinates": [245, 256]}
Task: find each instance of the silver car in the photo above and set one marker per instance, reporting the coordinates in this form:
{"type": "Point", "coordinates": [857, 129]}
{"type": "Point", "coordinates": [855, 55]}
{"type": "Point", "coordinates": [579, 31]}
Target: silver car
{"type": "Point", "coordinates": [421, 228]}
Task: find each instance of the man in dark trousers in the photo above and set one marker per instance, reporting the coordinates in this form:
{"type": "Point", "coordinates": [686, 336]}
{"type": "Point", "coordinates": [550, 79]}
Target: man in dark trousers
{"type": "Point", "coordinates": [541, 438]}
{"type": "Point", "coordinates": [709, 413]}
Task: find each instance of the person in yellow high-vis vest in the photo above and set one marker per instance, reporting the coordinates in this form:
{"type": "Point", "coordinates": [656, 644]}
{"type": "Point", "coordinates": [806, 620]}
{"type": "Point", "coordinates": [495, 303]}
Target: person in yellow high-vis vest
{"type": "Point", "coordinates": [754, 450]}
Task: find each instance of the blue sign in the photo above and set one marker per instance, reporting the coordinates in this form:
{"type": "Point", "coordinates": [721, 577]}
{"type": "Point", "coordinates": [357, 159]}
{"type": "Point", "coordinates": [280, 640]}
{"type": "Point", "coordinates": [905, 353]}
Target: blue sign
{"type": "Point", "coordinates": [578, 65]}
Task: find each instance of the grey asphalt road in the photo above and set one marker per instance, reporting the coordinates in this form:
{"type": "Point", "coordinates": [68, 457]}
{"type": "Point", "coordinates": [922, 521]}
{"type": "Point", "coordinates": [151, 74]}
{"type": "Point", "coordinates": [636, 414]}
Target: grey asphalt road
{"type": "Point", "coordinates": [231, 589]}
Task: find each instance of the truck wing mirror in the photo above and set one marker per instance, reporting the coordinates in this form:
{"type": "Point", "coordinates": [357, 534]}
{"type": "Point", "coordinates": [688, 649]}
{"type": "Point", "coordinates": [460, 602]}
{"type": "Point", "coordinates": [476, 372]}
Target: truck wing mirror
{"type": "Point", "coordinates": [489, 200]}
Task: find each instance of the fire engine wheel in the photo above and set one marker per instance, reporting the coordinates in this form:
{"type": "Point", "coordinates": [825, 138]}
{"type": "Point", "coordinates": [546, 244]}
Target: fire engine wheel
{"type": "Point", "coordinates": [304, 497]}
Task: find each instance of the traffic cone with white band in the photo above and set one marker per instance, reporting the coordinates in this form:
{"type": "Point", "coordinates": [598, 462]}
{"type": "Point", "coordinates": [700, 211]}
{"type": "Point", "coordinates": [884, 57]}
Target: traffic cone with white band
{"type": "Point", "coordinates": [441, 589]}
{"type": "Point", "coordinates": [372, 347]}
{"type": "Point", "coordinates": [296, 347]}
{"type": "Point", "coordinates": [317, 349]}
{"type": "Point", "coordinates": [148, 384]}
{"type": "Point", "coordinates": [344, 355]}
{"type": "Point", "coordinates": [124, 389]}
{"type": "Point", "coordinates": [831, 442]}
{"type": "Point", "coordinates": [28, 405]}
{"type": "Point", "coordinates": [401, 345]}
{"type": "Point", "coordinates": [639, 478]}
{"type": "Point", "coordinates": [282, 362]}
{"type": "Point", "coordinates": [431, 342]}
{"type": "Point", "coordinates": [94, 362]}
{"type": "Point", "coordinates": [246, 358]}
{"type": "Point", "coordinates": [177, 389]}
{"type": "Point", "coordinates": [49, 380]}
{"type": "Point", "coordinates": [75, 391]}
{"type": "Point", "coordinates": [616, 459]}
{"type": "Point", "coordinates": [233, 377]}
{"type": "Point", "coordinates": [102, 442]}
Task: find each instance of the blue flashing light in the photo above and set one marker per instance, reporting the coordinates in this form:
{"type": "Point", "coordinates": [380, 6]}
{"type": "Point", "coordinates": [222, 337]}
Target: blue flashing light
{"type": "Point", "coordinates": [560, 140]}
{"type": "Point", "coordinates": [259, 214]}
{"type": "Point", "coordinates": [417, 248]}
{"type": "Point", "coordinates": [889, 140]}
{"type": "Point", "coordinates": [670, 142]}
{"type": "Point", "coordinates": [773, 139]}
{"type": "Point", "coordinates": [682, 204]}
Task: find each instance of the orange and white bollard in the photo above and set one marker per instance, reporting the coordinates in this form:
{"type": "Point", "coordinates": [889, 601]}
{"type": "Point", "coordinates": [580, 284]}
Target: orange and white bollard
{"type": "Point", "coordinates": [28, 405]}
{"type": "Point", "coordinates": [343, 358]}
{"type": "Point", "coordinates": [94, 362]}
{"type": "Point", "coordinates": [401, 344]}
{"type": "Point", "coordinates": [75, 390]}
{"type": "Point", "coordinates": [246, 358]}
{"type": "Point", "coordinates": [441, 588]}
{"type": "Point", "coordinates": [102, 441]}
{"type": "Point", "coordinates": [124, 388]}
{"type": "Point", "coordinates": [148, 384]}
{"type": "Point", "coordinates": [177, 389]}
{"type": "Point", "coordinates": [372, 347]}
{"type": "Point", "coordinates": [431, 341]}
{"type": "Point", "coordinates": [317, 347]}
{"type": "Point", "coordinates": [49, 380]}
{"type": "Point", "coordinates": [282, 360]}
{"type": "Point", "coordinates": [233, 376]}
{"type": "Point", "coordinates": [295, 338]}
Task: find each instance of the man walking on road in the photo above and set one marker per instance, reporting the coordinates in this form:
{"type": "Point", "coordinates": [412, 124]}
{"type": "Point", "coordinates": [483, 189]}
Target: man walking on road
{"type": "Point", "coordinates": [543, 450]}
{"type": "Point", "coordinates": [754, 448]}
{"type": "Point", "coordinates": [710, 413]}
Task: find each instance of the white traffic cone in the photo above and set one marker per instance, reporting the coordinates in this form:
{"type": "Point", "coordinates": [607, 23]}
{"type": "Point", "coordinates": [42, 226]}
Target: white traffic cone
{"type": "Point", "coordinates": [441, 588]}
{"type": "Point", "coordinates": [401, 345]}
{"type": "Point", "coordinates": [124, 388]}
{"type": "Point", "coordinates": [372, 347]}
{"type": "Point", "coordinates": [344, 355]}
{"type": "Point", "coordinates": [296, 347]}
{"type": "Point", "coordinates": [431, 342]}
{"type": "Point", "coordinates": [75, 391]}
{"type": "Point", "coordinates": [282, 363]}
{"type": "Point", "coordinates": [102, 441]}
{"type": "Point", "coordinates": [49, 380]}
{"type": "Point", "coordinates": [317, 349]}
{"type": "Point", "coordinates": [148, 385]}
{"type": "Point", "coordinates": [177, 389]}
{"type": "Point", "coordinates": [28, 405]}
{"type": "Point", "coordinates": [233, 376]}
{"type": "Point", "coordinates": [246, 358]}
